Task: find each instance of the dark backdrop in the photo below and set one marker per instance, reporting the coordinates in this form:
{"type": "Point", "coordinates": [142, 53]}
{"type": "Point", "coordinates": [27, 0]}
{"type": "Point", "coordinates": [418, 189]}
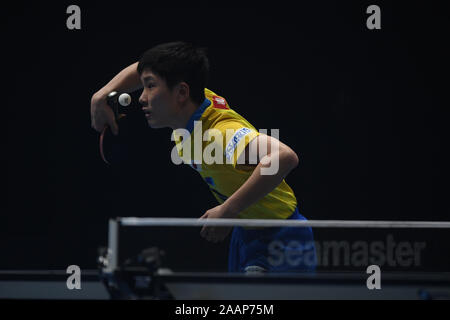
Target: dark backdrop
{"type": "Point", "coordinates": [365, 110]}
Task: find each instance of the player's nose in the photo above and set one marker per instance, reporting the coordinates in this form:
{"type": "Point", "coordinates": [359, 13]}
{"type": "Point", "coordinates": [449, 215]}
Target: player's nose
{"type": "Point", "coordinates": [142, 100]}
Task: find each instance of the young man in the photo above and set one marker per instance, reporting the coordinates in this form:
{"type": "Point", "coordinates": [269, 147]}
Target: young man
{"type": "Point", "coordinates": [174, 77]}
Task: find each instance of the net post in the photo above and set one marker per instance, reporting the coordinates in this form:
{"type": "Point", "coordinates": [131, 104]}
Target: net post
{"type": "Point", "coordinates": [113, 246]}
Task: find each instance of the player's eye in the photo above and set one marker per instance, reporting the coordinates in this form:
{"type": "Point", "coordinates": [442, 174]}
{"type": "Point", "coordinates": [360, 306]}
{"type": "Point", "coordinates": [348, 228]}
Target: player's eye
{"type": "Point", "coordinates": [150, 85]}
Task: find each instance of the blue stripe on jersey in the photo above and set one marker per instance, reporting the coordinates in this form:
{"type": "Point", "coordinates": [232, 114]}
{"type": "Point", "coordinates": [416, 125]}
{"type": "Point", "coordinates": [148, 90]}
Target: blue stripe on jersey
{"type": "Point", "coordinates": [221, 196]}
{"type": "Point", "coordinates": [197, 115]}
{"type": "Point", "coordinates": [210, 181]}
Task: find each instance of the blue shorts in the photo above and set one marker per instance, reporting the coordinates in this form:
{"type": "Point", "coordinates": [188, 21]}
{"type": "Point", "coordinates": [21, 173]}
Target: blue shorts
{"type": "Point", "coordinates": [278, 249]}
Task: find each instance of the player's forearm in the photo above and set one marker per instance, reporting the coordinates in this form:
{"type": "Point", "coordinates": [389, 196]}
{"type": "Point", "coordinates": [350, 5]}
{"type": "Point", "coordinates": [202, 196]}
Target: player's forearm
{"type": "Point", "coordinates": [257, 185]}
{"type": "Point", "coordinates": [126, 80]}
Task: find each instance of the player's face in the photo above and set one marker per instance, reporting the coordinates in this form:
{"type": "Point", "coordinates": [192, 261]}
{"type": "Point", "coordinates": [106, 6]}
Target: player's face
{"type": "Point", "coordinates": [158, 102]}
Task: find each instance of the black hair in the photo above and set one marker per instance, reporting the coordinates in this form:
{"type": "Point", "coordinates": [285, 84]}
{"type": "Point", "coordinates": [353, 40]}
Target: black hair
{"type": "Point", "coordinates": [176, 62]}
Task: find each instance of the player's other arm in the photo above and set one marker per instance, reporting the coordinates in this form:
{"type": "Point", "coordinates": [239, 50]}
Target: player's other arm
{"type": "Point", "coordinates": [271, 153]}
{"type": "Point", "coordinates": [274, 162]}
{"type": "Point", "coordinates": [126, 80]}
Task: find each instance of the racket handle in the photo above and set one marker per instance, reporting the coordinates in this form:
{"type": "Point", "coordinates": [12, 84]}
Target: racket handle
{"type": "Point", "coordinates": [113, 102]}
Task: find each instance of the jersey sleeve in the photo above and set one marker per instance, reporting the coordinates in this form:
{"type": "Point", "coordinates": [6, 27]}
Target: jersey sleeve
{"type": "Point", "coordinates": [236, 136]}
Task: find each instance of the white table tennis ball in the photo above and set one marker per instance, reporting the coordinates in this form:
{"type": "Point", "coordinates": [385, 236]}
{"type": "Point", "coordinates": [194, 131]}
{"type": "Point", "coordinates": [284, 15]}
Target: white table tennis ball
{"type": "Point", "coordinates": [124, 99]}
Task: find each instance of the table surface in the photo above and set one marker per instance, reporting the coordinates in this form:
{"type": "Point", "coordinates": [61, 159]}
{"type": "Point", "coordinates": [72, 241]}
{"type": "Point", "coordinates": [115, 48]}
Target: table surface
{"type": "Point", "coordinates": [51, 284]}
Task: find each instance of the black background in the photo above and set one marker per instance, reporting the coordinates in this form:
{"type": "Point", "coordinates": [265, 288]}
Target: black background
{"type": "Point", "coordinates": [365, 110]}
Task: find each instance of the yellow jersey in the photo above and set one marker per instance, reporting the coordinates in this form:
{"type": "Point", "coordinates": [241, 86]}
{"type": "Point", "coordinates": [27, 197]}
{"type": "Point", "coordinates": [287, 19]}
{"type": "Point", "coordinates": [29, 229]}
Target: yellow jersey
{"type": "Point", "coordinates": [211, 143]}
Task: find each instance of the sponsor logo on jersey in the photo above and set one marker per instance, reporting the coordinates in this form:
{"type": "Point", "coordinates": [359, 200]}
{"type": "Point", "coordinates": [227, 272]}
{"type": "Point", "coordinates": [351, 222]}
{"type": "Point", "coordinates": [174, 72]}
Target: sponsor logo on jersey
{"type": "Point", "coordinates": [231, 146]}
{"type": "Point", "coordinates": [219, 103]}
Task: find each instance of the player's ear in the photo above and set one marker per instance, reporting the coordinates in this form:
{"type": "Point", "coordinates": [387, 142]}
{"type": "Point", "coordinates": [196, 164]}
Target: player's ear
{"type": "Point", "coordinates": [182, 92]}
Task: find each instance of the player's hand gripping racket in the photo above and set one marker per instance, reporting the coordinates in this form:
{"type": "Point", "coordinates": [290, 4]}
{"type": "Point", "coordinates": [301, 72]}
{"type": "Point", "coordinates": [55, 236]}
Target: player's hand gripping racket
{"type": "Point", "coordinates": [113, 148]}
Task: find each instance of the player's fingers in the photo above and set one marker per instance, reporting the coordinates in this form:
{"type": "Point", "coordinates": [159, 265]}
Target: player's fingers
{"type": "Point", "coordinates": [204, 231]}
{"type": "Point", "coordinates": [98, 119]}
{"type": "Point", "coordinates": [214, 235]}
{"type": "Point", "coordinates": [97, 122]}
{"type": "Point", "coordinates": [111, 121]}
{"type": "Point", "coordinates": [114, 127]}
{"type": "Point", "coordinates": [209, 234]}
{"type": "Point", "coordinates": [208, 237]}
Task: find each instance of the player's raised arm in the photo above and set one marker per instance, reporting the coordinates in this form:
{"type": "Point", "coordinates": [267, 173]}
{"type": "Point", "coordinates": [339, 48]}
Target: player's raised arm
{"type": "Point", "coordinates": [126, 80]}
